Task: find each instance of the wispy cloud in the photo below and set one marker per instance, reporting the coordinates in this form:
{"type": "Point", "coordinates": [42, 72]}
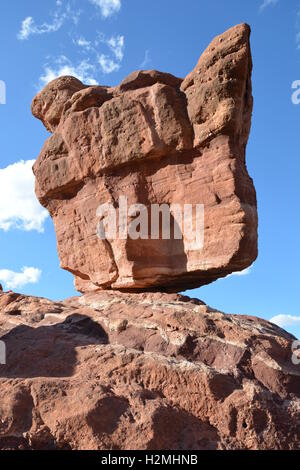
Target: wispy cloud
{"type": "Point", "coordinates": [19, 207]}
{"type": "Point", "coordinates": [245, 272]}
{"type": "Point", "coordinates": [84, 43]}
{"type": "Point", "coordinates": [83, 70]}
{"type": "Point", "coordinates": [29, 27]}
{"type": "Point", "coordinates": [285, 321]}
{"type": "Point", "coordinates": [61, 14]}
{"type": "Point", "coordinates": [116, 45]}
{"type": "Point", "coordinates": [267, 3]}
{"type": "Point", "coordinates": [91, 57]}
{"type": "Point", "coordinates": [14, 280]}
{"type": "Point", "coordinates": [107, 64]}
{"type": "Point", "coordinates": [146, 60]}
{"type": "Point", "coordinates": [93, 63]}
{"type": "Point", "coordinates": [107, 7]}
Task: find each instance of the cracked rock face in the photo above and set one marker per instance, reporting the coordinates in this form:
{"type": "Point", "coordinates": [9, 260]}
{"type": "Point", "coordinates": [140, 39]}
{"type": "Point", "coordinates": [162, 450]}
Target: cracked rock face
{"type": "Point", "coordinates": [113, 370]}
{"type": "Point", "coordinates": [155, 139]}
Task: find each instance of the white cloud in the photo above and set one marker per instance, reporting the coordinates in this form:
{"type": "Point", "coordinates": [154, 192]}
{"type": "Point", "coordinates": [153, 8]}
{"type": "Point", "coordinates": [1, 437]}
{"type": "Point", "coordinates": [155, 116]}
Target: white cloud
{"type": "Point", "coordinates": [107, 64]}
{"type": "Point", "coordinates": [245, 272]}
{"type": "Point", "coordinates": [19, 207]}
{"type": "Point", "coordinates": [29, 27]}
{"type": "Point", "coordinates": [146, 60]}
{"type": "Point", "coordinates": [286, 320]}
{"type": "Point", "coordinates": [13, 280]}
{"type": "Point", "coordinates": [107, 7]}
{"type": "Point", "coordinates": [58, 18]}
{"type": "Point", "coordinates": [84, 43]}
{"type": "Point", "coordinates": [89, 60]}
{"type": "Point", "coordinates": [117, 44]}
{"type": "Point", "coordinates": [267, 3]}
{"type": "Point", "coordinates": [84, 71]}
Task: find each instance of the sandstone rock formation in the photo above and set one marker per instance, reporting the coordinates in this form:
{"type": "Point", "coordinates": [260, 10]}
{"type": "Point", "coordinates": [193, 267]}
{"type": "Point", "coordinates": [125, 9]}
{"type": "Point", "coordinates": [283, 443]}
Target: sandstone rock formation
{"type": "Point", "coordinates": [111, 370]}
{"type": "Point", "coordinates": [155, 139]}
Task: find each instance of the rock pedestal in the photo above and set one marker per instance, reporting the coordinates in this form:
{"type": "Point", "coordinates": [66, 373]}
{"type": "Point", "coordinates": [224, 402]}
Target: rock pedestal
{"type": "Point", "coordinates": [126, 371]}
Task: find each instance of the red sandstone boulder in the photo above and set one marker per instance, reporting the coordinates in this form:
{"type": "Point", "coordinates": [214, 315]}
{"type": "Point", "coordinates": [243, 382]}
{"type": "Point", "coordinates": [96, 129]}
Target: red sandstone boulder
{"type": "Point", "coordinates": [155, 139]}
{"type": "Point", "coordinates": [113, 370]}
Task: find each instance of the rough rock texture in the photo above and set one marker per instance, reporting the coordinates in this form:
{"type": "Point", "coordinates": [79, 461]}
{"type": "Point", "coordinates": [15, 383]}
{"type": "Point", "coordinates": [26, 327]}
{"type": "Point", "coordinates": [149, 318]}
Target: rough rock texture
{"type": "Point", "coordinates": [155, 139]}
{"type": "Point", "coordinates": [112, 370]}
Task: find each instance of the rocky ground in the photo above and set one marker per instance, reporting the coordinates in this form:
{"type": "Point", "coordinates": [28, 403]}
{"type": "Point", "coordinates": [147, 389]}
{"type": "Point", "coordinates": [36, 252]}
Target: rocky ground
{"type": "Point", "coordinates": [143, 371]}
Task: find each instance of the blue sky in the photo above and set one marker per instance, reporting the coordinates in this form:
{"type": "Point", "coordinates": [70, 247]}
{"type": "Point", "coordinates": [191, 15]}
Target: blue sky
{"type": "Point", "coordinates": [102, 41]}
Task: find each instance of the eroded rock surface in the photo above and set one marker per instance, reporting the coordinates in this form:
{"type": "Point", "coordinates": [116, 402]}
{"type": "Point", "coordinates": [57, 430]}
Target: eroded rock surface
{"type": "Point", "coordinates": [111, 370]}
{"type": "Point", "coordinates": [155, 139]}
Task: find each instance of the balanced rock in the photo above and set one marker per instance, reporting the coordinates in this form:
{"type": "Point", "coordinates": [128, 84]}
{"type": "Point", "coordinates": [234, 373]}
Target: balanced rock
{"type": "Point", "coordinates": [156, 140]}
{"type": "Point", "coordinates": [112, 370]}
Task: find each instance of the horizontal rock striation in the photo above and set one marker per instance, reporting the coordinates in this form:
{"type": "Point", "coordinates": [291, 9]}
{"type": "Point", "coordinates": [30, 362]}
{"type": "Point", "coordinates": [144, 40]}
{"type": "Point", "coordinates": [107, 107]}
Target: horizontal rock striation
{"type": "Point", "coordinates": [111, 370]}
{"type": "Point", "coordinates": [155, 139]}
